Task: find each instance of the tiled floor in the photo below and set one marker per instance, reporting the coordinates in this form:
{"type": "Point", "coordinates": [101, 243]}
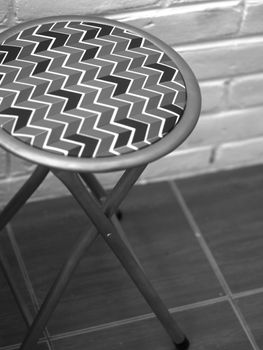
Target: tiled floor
{"type": "Point", "coordinates": [200, 241]}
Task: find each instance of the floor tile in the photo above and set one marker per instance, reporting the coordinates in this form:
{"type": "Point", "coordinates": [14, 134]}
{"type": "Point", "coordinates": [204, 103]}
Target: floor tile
{"type": "Point", "coordinates": [12, 324]}
{"type": "Point", "coordinates": [100, 291]}
{"type": "Point", "coordinates": [208, 328]}
{"type": "Point", "coordinates": [252, 309]}
{"type": "Point", "coordinates": [227, 207]}
{"type": "Point", "coordinates": [43, 346]}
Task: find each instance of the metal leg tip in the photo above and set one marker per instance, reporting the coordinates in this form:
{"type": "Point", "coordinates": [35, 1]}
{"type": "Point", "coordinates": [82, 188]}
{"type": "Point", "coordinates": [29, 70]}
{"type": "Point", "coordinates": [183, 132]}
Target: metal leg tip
{"type": "Point", "coordinates": [184, 345]}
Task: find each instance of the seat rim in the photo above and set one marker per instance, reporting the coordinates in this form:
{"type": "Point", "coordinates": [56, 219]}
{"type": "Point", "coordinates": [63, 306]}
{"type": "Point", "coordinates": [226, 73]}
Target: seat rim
{"type": "Point", "coordinates": [139, 157]}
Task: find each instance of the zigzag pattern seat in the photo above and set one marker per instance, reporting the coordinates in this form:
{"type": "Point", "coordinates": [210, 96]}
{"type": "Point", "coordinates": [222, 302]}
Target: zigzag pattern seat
{"type": "Point", "coordinates": [87, 89]}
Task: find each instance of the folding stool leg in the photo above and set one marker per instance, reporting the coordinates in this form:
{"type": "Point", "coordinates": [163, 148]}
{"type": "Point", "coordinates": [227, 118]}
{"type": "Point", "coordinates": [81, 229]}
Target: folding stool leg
{"type": "Point", "coordinates": [22, 195]}
{"type": "Point", "coordinates": [97, 189]}
{"type": "Point", "coordinates": [92, 182]}
{"type": "Point", "coordinates": [85, 240]}
{"type": "Point", "coordinates": [99, 192]}
{"type": "Point", "coordinates": [6, 215]}
{"type": "Point", "coordinates": [110, 234]}
{"type": "Point", "coordinates": [19, 199]}
{"type": "Point", "coordinates": [22, 306]}
{"type": "Point", "coordinates": [27, 316]}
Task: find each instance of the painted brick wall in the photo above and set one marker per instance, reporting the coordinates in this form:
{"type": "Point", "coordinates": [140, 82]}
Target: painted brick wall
{"type": "Point", "coordinates": [223, 43]}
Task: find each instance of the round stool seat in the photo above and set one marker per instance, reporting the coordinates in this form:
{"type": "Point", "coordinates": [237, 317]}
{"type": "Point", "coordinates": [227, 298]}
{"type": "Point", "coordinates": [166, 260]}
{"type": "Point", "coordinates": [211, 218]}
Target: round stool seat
{"type": "Point", "coordinates": [92, 94]}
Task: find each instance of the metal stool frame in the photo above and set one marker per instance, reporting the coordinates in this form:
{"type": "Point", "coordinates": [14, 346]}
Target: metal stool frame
{"type": "Point", "coordinates": [77, 174]}
{"type": "Point", "coordinates": [100, 211]}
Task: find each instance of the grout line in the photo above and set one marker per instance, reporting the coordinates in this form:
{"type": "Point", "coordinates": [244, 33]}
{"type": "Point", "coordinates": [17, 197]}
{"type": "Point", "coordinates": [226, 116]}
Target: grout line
{"type": "Point", "coordinates": [17, 345]}
{"type": "Point", "coordinates": [123, 322]}
{"type": "Point", "coordinates": [242, 19]}
{"type": "Point", "coordinates": [247, 293]}
{"type": "Point", "coordinates": [11, 13]}
{"type": "Point", "coordinates": [135, 319]}
{"type": "Point", "coordinates": [198, 304]}
{"type": "Point", "coordinates": [255, 38]}
{"type": "Point", "coordinates": [213, 263]}
{"type": "Point", "coordinates": [164, 11]}
{"type": "Point", "coordinates": [200, 238]}
{"type": "Point", "coordinates": [26, 278]}
{"type": "Point", "coordinates": [10, 347]}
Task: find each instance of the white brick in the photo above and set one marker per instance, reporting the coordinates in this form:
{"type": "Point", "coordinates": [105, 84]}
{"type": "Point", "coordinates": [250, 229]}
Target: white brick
{"type": "Point", "coordinates": [3, 163]}
{"type": "Point", "coordinates": [29, 9]}
{"type": "Point", "coordinates": [253, 18]}
{"type": "Point", "coordinates": [108, 180]}
{"type": "Point", "coordinates": [242, 153]}
{"type": "Point", "coordinates": [226, 58]}
{"type": "Point", "coordinates": [246, 91]}
{"type": "Point", "coordinates": [20, 166]}
{"type": "Point", "coordinates": [7, 191]}
{"type": "Point", "coordinates": [50, 188]}
{"type": "Point", "coordinates": [225, 127]}
{"type": "Point", "coordinates": [4, 4]}
{"type": "Point", "coordinates": [179, 164]}
{"type": "Point", "coordinates": [213, 96]}
{"type": "Point", "coordinates": [184, 24]}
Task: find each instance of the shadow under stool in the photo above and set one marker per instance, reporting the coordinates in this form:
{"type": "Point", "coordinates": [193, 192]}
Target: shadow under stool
{"type": "Point", "coordinates": [83, 95]}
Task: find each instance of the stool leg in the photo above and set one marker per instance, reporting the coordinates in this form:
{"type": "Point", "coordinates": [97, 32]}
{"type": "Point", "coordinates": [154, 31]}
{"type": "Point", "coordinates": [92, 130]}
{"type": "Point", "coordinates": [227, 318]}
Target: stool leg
{"type": "Point", "coordinates": [27, 316]}
{"type": "Point", "coordinates": [110, 206]}
{"type": "Point", "coordinates": [99, 192]}
{"type": "Point", "coordinates": [57, 289]}
{"type": "Point", "coordinates": [97, 189]}
{"type": "Point", "coordinates": [110, 234]}
{"type": "Point", "coordinates": [92, 182]}
{"type": "Point", "coordinates": [6, 215]}
{"type": "Point", "coordinates": [22, 305]}
{"type": "Point", "coordinates": [22, 195]}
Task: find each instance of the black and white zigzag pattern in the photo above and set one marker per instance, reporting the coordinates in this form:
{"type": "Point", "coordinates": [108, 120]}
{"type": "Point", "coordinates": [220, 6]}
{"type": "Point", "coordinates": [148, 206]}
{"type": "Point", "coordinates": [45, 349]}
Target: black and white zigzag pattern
{"type": "Point", "coordinates": [87, 89]}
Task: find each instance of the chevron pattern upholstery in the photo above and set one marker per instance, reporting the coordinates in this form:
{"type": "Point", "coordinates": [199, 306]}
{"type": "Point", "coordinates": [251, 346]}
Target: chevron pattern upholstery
{"type": "Point", "coordinates": [87, 89]}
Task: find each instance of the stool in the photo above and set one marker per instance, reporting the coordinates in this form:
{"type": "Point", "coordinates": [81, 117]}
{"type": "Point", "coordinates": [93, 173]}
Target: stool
{"type": "Point", "coordinates": [82, 95]}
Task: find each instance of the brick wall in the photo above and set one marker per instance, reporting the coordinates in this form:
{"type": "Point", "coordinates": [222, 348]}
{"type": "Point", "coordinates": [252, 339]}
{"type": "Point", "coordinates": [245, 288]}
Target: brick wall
{"type": "Point", "coordinates": [223, 43]}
